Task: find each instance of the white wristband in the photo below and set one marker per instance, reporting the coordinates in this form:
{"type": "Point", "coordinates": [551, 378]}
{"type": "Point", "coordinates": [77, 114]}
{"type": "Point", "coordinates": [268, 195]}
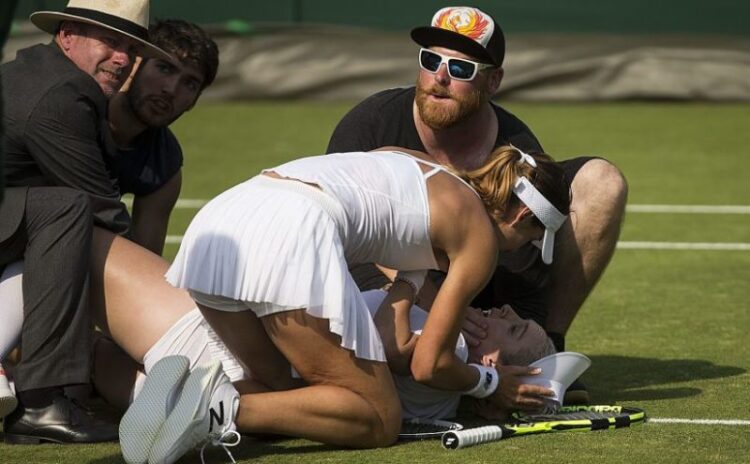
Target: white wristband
{"type": "Point", "coordinates": [489, 379]}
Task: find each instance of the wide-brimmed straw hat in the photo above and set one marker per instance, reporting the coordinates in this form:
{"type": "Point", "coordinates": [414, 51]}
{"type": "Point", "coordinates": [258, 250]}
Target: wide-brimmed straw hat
{"type": "Point", "coordinates": [128, 17]}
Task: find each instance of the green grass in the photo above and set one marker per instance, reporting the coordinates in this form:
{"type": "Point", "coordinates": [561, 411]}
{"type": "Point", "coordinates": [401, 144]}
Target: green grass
{"type": "Point", "coordinates": [666, 330]}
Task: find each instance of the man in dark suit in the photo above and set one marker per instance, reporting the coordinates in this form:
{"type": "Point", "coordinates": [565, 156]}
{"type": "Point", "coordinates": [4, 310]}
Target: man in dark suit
{"type": "Point", "coordinates": [6, 18]}
{"type": "Point", "coordinates": [56, 135]}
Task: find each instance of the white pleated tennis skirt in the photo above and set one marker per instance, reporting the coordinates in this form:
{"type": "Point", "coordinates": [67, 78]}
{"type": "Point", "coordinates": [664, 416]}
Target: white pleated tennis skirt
{"type": "Point", "coordinates": [273, 245]}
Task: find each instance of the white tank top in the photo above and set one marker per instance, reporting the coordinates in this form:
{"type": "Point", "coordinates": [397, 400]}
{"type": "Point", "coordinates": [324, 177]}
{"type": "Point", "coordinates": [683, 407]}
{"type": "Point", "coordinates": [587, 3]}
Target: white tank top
{"type": "Point", "coordinates": [384, 199]}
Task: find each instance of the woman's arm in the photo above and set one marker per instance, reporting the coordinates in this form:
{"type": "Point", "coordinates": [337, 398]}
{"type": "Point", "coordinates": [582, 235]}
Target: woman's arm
{"type": "Point", "coordinates": [434, 362]}
{"type": "Point", "coordinates": [394, 327]}
{"type": "Point", "coordinates": [151, 214]}
{"type": "Point", "coordinates": [460, 227]}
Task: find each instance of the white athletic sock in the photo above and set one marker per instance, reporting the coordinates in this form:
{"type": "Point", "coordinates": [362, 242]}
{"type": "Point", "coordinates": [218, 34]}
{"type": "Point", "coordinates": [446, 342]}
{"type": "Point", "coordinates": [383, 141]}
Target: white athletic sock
{"type": "Point", "coordinates": [5, 383]}
{"type": "Point", "coordinates": [140, 379]}
{"type": "Point", "coordinates": [8, 400]}
{"type": "Point", "coordinates": [11, 307]}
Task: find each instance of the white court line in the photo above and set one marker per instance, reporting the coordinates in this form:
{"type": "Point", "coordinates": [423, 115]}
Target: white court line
{"type": "Point", "coordinates": [190, 203]}
{"type": "Point", "coordinates": [176, 239]}
{"type": "Point", "coordinates": [196, 203]}
{"type": "Point", "coordinates": [182, 203]}
{"type": "Point", "coordinates": [669, 420]}
{"type": "Point", "coordinates": [698, 246]}
{"type": "Point", "coordinates": [689, 209]}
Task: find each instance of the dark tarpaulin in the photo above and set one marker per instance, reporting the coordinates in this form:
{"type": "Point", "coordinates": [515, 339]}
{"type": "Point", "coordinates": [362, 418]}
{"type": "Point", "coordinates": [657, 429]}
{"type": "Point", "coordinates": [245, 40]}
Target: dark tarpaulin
{"type": "Point", "coordinates": [342, 63]}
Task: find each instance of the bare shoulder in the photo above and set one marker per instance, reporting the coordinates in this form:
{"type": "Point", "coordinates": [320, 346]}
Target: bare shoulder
{"type": "Point", "coordinates": [457, 214]}
{"type": "Point", "coordinates": [408, 151]}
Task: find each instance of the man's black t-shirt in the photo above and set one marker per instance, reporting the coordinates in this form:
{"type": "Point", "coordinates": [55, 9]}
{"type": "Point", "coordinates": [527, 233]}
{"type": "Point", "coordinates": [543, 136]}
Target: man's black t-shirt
{"type": "Point", "coordinates": [154, 158]}
{"type": "Point", "coordinates": [386, 119]}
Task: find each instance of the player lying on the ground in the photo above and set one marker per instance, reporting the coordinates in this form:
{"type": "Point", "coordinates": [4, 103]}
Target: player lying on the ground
{"type": "Point", "coordinates": [511, 230]}
{"type": "Point", "coordinates": [267, 263]}
{"type": "Point", "coordinates": [141, 305]}
{"type": "Point", "coordinates": [118, 377]}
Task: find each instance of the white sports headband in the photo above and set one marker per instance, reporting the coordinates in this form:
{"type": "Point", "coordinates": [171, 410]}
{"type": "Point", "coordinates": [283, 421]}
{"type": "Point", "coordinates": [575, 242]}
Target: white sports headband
{"type": "Point", "coordinates": [547, 214]}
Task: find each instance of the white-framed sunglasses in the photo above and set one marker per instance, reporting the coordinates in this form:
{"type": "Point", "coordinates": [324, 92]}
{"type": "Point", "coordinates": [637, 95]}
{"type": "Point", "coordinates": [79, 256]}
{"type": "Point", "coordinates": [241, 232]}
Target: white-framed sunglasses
{"type": "Point", "coordinates": [458, 68]}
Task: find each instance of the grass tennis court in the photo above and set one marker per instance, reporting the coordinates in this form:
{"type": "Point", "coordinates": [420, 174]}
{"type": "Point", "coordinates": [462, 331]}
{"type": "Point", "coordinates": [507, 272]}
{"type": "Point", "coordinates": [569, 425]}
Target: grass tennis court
{"type": "Point", "coordinates": [666, 329]}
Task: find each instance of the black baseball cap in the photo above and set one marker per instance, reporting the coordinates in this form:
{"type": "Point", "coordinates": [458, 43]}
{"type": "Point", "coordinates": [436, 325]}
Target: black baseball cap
{"type": "Point", "coordinates": [465, 29]}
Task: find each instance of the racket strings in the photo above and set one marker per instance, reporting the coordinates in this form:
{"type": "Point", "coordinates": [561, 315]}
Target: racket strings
{"type": "Point", "coordinates": [422, 429]}
{"type": "Point", "coordinates": [415, 428]}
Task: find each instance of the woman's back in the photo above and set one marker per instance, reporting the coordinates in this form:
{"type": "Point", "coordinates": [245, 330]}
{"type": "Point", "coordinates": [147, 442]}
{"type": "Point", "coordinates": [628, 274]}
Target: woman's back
{"type": "Point", "coordinates": [384, 201]}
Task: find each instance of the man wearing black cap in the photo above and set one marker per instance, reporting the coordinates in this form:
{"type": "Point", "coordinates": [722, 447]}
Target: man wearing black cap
{"type": "Point", "coordinates": [449, 114]}
{"type": "Point", "coordinates": [56, 137]}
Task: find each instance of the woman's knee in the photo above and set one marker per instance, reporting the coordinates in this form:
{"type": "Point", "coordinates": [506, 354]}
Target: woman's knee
{"type": "Point", "coordinates": [380, 428]}
{"type": "Point", "coordinates": [317, 355]}
{"type": "Point", "coordinates": [379, 410]}
{"type": "Point", "coordinates": [391, 420]}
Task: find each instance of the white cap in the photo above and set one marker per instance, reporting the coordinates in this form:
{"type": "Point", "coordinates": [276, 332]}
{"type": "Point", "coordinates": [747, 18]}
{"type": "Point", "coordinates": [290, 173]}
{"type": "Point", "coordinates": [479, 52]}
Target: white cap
{"type": "Point", "coordinates": [548, 215]}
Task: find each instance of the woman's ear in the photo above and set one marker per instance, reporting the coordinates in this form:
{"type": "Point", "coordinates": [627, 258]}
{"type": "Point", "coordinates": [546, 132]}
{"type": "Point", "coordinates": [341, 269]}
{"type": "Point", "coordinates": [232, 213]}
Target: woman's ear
{"type": "Point", "coordinates": [521, 214]}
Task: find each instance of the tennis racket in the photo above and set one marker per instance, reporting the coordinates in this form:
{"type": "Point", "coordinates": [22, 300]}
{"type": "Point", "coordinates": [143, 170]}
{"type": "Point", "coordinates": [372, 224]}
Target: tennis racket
{"type": "Point", "coordinates": [426, 429]}
{"type": "Point", "coordinates": [569, 418]}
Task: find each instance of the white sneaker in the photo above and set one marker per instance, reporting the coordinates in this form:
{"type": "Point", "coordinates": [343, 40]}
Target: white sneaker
{"type": "Point", "coordinates": [8, 401]}
{"type": "Point", "coordinates": [144, 418]}
{"type": "Point", "coordinates": [204, 414]}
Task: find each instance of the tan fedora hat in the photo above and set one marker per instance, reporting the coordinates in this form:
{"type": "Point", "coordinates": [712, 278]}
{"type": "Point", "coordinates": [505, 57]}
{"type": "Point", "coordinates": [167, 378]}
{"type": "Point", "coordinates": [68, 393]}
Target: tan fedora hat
{"type": "Point", "coordinates": [128, 17]}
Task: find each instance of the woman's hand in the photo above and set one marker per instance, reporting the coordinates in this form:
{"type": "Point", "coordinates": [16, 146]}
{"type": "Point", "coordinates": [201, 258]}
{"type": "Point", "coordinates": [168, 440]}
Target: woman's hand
{"type": "Point", "coordinates": [474, 327]}
{"type": "Point", "coordinates": [513, 394]}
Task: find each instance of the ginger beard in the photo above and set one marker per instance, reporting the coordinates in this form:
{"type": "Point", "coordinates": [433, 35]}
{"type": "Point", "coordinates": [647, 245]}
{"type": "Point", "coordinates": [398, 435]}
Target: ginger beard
{"type": "Point", "coordinates": [453, 110]}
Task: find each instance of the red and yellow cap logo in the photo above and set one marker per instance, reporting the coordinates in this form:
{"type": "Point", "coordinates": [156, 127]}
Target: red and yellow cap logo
{"type": "Point", "coordinates": [467, 21]}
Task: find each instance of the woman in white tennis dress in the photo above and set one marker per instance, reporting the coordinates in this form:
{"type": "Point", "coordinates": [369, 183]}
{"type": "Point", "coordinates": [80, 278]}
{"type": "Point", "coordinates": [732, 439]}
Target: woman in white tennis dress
{"type": "Point", "coordinates": [267, 263]}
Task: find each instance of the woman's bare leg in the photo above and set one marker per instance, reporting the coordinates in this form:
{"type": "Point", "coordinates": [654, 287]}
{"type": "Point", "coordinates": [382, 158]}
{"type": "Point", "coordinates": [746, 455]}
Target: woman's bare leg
{"type": "Point", "coordinates": [114, 372]}
{"type": "Point", "coordinates": [131, 300]}
{"type": "Point", "coordinates": [350, 401]}
{"type": "Point", "coordinates": [243, 334]}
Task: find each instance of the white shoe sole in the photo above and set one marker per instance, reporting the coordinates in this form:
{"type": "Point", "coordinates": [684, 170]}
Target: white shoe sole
{"type": "Point", "coordinates": [8, 401]}
{"type": "Point", "coordinates": [144, 418]}
{"type": "Point", "coordinates": [187, 425]}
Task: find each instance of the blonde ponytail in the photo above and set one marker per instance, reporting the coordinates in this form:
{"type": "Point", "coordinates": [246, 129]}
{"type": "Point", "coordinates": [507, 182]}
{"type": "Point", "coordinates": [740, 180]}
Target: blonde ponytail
{"type": "Point", "coordinates": [494, 180]}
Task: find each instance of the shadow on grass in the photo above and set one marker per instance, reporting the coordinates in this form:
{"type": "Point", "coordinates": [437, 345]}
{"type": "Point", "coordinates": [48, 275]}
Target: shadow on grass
{"type": "Point", "coordinates": [614, 379]}
{"type": "Point", "coordinates": [248, 449]}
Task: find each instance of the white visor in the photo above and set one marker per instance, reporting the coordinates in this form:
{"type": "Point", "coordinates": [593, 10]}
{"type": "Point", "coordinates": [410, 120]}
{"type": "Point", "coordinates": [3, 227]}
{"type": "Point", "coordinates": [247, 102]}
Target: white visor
{"type": "Point", "coordinates": [559, 370]}
{"type": "Point", "coordinates": [544, 211]}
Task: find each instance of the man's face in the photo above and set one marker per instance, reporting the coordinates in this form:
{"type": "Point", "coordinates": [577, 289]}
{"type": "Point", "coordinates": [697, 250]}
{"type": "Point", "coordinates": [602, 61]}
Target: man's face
{"type": "Point", "coordinates": [163, 90]}
{"type": "Point", "coordinates": [442, 101]}
{"type": "Point", "coordinates": [507, 334]}
{"type": "Point", "coordinates": [105, 55]}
